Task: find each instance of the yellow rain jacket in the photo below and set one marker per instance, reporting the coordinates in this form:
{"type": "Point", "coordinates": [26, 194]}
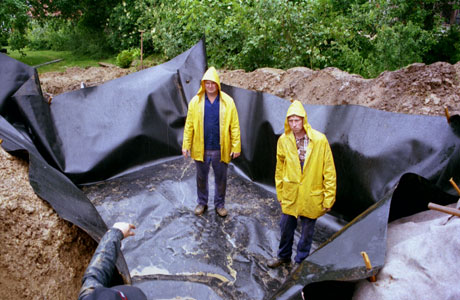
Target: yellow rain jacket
{"type": "Point", "coordinates": [228, 122]}
{"type": "Point", "coordinates": [309, 191]}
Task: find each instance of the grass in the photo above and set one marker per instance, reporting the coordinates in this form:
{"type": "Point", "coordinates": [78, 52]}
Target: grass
{"type": "Point", "coordinates": [34, 58]}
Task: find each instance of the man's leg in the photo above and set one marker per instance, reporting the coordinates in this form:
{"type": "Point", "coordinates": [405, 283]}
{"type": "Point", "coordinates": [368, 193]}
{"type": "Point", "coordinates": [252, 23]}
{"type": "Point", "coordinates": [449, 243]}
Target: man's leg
{"type": "Point", "coordinates": [220, 179]}
{"type": "Point", "coordinates": [202, 171]}
{"type": "Point", "coordinates": [288, 224]}
{"type": "Point", "coordinates": [306, 239]}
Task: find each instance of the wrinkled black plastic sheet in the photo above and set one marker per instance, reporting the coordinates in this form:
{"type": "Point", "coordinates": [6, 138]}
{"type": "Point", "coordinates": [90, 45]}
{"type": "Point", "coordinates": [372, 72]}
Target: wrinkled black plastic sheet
{"type": "Point", "coordinates": [110, 153]}
{"type": "Point", "coordinates": [207, 257]}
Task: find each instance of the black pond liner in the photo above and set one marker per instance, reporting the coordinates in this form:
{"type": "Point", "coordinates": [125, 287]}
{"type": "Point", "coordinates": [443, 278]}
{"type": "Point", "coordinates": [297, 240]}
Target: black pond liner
{"type": "Point", "coordinates": [111, 153]}
{"type": "Point", "coordinates": [209, 256]}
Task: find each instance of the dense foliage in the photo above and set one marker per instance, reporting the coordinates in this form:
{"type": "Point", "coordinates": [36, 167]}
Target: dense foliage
{"type": "Point", "coordinates": [77, 25]}
{"type": "Point", "coordinates": [361, 36]}
{"type": "Point", "coordinates": [13, 23]}
{"type": "Point", "coordinates": [126, 57]}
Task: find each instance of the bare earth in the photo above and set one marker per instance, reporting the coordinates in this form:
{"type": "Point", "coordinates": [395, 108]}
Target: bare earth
{"type": "Point", "coordinates": [41, 255]}
{"type": "Point", "coordinates": [416, 89]}
{"type": "Point", "coordinates": [44, 257]}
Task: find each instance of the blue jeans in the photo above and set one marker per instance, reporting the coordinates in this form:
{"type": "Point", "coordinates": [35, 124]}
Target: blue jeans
{"type": "Point", "coordinates": [211, 157]}
{"type": "Point", "coordinates": [288, 224]}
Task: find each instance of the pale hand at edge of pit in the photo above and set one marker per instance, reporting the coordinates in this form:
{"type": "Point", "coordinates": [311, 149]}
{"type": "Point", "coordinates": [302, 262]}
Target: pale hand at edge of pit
{"type": "Point", "coordinates": [125, 228]}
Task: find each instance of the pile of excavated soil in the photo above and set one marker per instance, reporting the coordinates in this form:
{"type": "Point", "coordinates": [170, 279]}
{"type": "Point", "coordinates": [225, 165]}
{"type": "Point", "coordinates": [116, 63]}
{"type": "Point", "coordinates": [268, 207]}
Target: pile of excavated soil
{"type": "Point", "coordinates": [417, 89]}
{"type": "Point", "coordinates": [54, 83]}
{"type": "Point", "coordinates": [44, 257]}
{"type": "Point", "coordinates": [41, 255]}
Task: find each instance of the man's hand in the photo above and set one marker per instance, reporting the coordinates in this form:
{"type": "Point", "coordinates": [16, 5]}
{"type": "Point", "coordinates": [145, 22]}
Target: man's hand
{"type": "Point", "coordinates": [125, 228]}
{"type": "Point", "coordinates": [185, 152]}
{"type": "Point", "coordinates": [234, 155]}
{"type": "Point", "coordinates": [326, 209]}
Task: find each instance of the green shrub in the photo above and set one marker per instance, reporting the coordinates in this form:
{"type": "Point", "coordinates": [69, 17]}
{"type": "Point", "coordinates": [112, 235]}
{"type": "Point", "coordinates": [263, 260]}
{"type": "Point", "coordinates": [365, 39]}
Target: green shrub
{"type": "Point", "coordinates": [447, 47]}
{"type": "Point", "coordinates": [3, 39]}
{"type": "Point", "coordinates": [90, 43]}
{"type": "Point", "coordinates": [126, 57]}
{"type": "Point", "coordinates": [38, 39]}
{"type": "Point", "coordinates": [57, 35]}
{"type": "Point", "coordinates": [124, 24]}
{"type": "Point", "coordinates": [17, 41]}
{"type": "Point", "coordinates": [66, 35]}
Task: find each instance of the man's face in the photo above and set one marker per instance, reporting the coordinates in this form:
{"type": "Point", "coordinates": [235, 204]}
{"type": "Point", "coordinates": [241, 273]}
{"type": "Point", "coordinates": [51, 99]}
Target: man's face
{"type": "Point", "coordinates": [296, 124]}
{"type": "Point", "coordinates": [211, 87]}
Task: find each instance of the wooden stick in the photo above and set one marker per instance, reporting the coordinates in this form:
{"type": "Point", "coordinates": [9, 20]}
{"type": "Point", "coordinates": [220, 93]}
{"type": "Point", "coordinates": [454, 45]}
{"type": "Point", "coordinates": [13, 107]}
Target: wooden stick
{"type": "Point", "coordinates": [47, 63]}
{"type": "Point", "coordinates": [446, 111]}
{"type": "Point", "coordinates": [368, 264]}
{"type": "Point", "coordinates": [142, 48]}
{"type": "Point", "coordinates": [444, 209]}
{"type": "Point", "coordinates": [454, 185]}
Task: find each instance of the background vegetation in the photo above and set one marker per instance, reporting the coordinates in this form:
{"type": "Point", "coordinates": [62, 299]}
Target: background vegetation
{"type": "Point", "coordinates": [69, 59]}
{"type": "Point", "coordinates": [362, 36]}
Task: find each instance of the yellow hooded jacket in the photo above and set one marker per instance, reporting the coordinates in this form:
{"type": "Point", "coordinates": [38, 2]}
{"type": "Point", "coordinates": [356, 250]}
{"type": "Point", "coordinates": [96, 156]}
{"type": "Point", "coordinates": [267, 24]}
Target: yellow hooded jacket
{"type": "Point", "coordinates": [228, 122]}
{"type": "Point", "coordinates": [304, 193]}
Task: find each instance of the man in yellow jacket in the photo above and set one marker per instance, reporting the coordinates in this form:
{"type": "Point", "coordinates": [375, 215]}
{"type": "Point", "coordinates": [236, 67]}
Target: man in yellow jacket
{"type": "Point", "coordinates": [305, 181]}
{"type": "Point", "coordinates": [211, 137]}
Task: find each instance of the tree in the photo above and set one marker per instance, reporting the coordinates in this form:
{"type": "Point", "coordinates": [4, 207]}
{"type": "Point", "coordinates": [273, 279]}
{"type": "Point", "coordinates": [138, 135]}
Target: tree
{"type": "Point", "coordinates": [87, 16]}
{"type": "Point", "coordinates": [91, 13]}
{"type": "Point", "coordinates": [13, 23]}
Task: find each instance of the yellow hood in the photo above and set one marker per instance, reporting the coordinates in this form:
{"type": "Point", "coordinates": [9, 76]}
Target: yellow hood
{"type": "Point", "coordinates": [296, 108]}
{"type": "Point", "coordinates": [210, 74]}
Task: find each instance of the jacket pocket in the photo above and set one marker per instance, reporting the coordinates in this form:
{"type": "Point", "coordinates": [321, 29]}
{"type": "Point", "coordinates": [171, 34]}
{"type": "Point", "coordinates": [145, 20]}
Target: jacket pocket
{"type": "Point", "coordinates": [317, 198]}
{"type": "Point", "coordinates": [290, 190]}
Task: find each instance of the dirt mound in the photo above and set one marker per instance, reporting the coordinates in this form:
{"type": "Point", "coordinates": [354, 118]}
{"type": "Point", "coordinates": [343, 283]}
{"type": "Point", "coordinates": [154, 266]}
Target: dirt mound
{"type": "Point", "coordinates": [417, 89]}
{"type": "Point", "coordinates": [54, 83]}
{"type": "Point", "coordinates": [42, 256]}
{"type": "Point", "coordinates": [41, 253]}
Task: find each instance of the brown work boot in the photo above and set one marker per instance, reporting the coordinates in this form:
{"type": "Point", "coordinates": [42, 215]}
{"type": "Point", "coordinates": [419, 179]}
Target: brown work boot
{"type": "Point", "coordinates": [221, 211]}
{"type": "Point", "coordinates": [200, 209]}
{"type": "Point", "coordinates": [276, 262]}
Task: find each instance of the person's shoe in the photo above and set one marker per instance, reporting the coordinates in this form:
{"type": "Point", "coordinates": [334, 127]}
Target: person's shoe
{"type": "Point", "coordinates": [276, 262]}
{"type": "Point", "coordinates": [221, 211]}
{"type": "Point", "coordinates": [296, 270]}
{"type": "Point", "coordinates": [200, 209]}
